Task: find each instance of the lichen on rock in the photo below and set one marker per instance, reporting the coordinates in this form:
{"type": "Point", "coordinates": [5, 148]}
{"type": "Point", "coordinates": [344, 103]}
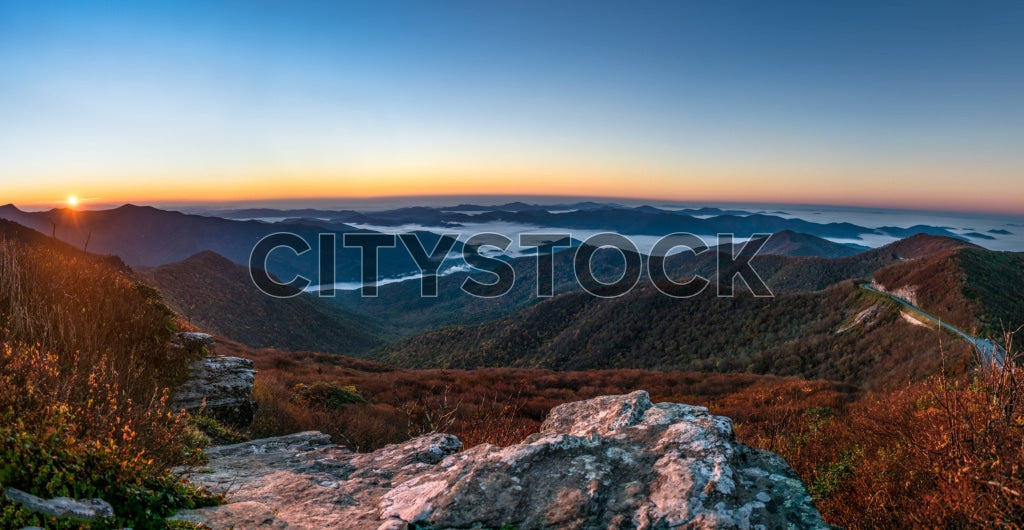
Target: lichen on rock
{"type": "Point", "coordinates": [608, 462]}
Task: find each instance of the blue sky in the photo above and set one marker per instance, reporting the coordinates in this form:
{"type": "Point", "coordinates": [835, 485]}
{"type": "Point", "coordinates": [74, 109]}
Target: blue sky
{"type": "Point", "coordinates": [894, 103]}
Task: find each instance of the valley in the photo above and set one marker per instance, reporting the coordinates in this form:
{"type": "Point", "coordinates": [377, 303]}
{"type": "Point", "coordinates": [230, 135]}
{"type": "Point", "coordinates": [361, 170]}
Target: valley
{"type": "Point", "coordinates": [800, 372]}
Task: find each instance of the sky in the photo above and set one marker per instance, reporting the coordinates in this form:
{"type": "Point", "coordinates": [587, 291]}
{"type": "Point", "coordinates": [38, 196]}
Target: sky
{"type": "Point", "coordinates": [899, 104]}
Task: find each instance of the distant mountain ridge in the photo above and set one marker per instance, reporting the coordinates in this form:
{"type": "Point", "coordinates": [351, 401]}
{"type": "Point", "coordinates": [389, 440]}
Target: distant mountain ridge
{"type": "Point", "coordinates": [143, 235]}
{"type": "Point", "coordinates": [147, 236]}
{"type": "Point", "coordinates": [637, 220]}
{"type": "Point", "coordinates": [401, 304]}
{"type": "Point", "coordinates": [843, 333]}
{"type": "Point", "coordinates": [817, 309]}
{"type": "Point", "coordinates": [975, 289]}
{"type": "Point", "coordinates": [795, 244]}
{"type": "Point", "coordinates": [217, 295]}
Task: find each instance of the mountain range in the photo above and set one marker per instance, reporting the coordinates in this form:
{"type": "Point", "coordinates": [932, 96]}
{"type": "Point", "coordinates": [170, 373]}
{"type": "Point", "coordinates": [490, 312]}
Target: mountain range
{"type": "Point", "coordinates": [818, 324]}
{"type": "Point", "coordinates": [147, 236]}
{"type": "Point", "coordinates": [217, 295]}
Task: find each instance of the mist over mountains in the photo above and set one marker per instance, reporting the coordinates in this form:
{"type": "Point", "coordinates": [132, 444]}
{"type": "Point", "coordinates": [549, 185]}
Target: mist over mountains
{"type": "Point", "coordinates": [839, 319]}
{"type": "Point", "coordinates": [200, 263]}
{"type": "Point", "coordinates": [147, 236]}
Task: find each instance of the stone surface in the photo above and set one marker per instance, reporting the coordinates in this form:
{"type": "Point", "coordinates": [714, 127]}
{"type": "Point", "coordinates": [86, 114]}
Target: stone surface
{"type": "Point", "coordinates": [196, 344]}
{"type": "Point", "coordinates": [62, 507]}
{"type": "Point", "coordinates": [609, 462]}
{"type": "Point", "coordinates": [309, 482]}
{"type": "Point", "coordinates": [218, 386]}
{"type": "Point", "coordinates": [235, 515]}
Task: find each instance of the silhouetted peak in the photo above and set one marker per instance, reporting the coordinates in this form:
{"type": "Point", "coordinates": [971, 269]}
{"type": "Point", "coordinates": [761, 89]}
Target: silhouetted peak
{"type": "Point", "coordinates": [208, 256]}
{"type": "Point", "coordinates": [919, 245]}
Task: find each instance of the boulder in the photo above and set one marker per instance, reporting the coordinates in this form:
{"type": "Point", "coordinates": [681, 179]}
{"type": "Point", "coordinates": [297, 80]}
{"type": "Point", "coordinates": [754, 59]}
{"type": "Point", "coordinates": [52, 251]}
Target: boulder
{"type": "Point", "coordinates": [608, 462]}
{"type": "Point", "coordinates": [216, 386]}
{"type": "Point", "coordinates": [304, 481]}
{"type": "Point", "coordinates": [235, 515]}
{"type": "Point", "coordinates": [195, 344]}
{"type": "Point", "coordinates": [62, 507]}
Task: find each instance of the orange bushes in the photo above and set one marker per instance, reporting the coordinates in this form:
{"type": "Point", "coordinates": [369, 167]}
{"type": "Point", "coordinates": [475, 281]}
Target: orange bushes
{"type": "Point", "coordinates": [948, 451]}
{"type": "Point", "coordinates": [498, 405]}
{"type": "Point", "coordinates": [75, 433]}
{"type": "Point", "coordinates": [83, 359]}
{"type": "Point", "coordinates": [79, 334]}
{"type": "Point", "coordinates": [35, 391]}
{"type": "Point", "coordinates": [88, 309]}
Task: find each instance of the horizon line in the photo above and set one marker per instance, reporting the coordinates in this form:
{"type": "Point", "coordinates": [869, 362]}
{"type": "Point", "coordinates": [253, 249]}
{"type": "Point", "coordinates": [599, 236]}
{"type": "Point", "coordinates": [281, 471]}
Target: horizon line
{"type": "Point", "coordinates": [99, 204]}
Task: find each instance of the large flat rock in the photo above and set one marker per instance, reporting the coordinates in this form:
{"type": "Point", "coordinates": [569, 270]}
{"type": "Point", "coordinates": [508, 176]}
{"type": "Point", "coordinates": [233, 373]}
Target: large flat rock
{"type": "Point", "coordinates": [609, 462]}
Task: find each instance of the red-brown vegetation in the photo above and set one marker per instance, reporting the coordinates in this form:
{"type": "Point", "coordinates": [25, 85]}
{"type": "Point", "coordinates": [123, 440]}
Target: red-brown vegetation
{"type": "Point", "coordinates": [83, 371]}
{"type": "Point", "coordinates": [977, 290]}
{"type": "Point", "coordinates": [946, 451]}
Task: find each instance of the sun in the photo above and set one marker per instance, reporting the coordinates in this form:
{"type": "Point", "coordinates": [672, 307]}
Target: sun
{"type": "Point", "coordinates": [72, 201]}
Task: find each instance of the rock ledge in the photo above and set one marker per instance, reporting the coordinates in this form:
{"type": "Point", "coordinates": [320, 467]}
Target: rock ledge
{"type": "Point", "coordinates": [609, 462]}
{"type": "Point", "coordinates": [216, 386]}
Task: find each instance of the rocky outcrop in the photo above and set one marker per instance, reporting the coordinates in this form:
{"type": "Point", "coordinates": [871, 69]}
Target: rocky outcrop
{"type": "Point", "coordinates": [62, 507]}
{"type": "Point", "coordinates": [194, 344]}
{"type": "Point", "coordinates": [217, 386]}
{"type": "Point", "coordinates": [906, 292]}
{"type": "Point", "coordinates": [309, 482]}
{"type": "Point", "coordinates": [609, 462]}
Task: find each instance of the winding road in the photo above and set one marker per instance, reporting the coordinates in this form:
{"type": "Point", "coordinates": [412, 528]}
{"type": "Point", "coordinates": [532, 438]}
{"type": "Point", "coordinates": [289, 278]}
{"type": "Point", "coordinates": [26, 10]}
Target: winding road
{"type": "Point", "coordinates": [991, 353]}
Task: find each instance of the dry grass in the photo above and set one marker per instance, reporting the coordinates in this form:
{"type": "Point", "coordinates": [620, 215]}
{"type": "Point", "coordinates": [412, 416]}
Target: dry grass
{"type": "Point", "coordinates": [945, 452]}
{"type": "Point", "coordinates": [89, 310]}
{"type": "Point", "coordinates": [496, 405]}
{"type": "Point", "coordinates": [84, 367]}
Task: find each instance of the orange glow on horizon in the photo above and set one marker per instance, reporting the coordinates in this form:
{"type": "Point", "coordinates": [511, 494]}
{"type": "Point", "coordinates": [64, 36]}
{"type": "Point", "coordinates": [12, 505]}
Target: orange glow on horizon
{"type": "Point", "coordinates": [708, 187]}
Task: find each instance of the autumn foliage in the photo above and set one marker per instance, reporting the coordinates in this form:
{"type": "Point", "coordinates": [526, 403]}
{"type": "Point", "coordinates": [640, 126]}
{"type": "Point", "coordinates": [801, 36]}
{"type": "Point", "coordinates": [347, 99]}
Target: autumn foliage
{"type": "Point", "coordinates": [83, 401]}
{"type": "Point", "coordinates": [889, 425]}
{"type": "Point", "coordinates": [946, 451]}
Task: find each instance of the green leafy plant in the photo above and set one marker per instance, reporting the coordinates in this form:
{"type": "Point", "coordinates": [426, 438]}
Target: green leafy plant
{"type": "Point", "coordinates": [326, 395]}
{"type": "Point", "coordinates": [84, 370]}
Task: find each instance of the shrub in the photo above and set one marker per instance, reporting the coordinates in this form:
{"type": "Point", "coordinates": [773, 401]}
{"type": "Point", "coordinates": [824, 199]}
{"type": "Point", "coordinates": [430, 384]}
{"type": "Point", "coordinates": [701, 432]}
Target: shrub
{"type": "Point", "coordinates": [215, 431]}
{"type": "Point", "coordinates": [100, 446]}
{"type": "Point", "coordinates": [947, 452]}
{"type": "Point", "coordinates": [84, 366]}
{"type": "Point", "coordinates": [87, 311]}
{"type": "Point", "coordinates": [325, 395]}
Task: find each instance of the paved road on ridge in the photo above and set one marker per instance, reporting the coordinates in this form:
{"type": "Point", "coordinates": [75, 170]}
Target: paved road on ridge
{"type": "Point", "coordinates": [990, 351]}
